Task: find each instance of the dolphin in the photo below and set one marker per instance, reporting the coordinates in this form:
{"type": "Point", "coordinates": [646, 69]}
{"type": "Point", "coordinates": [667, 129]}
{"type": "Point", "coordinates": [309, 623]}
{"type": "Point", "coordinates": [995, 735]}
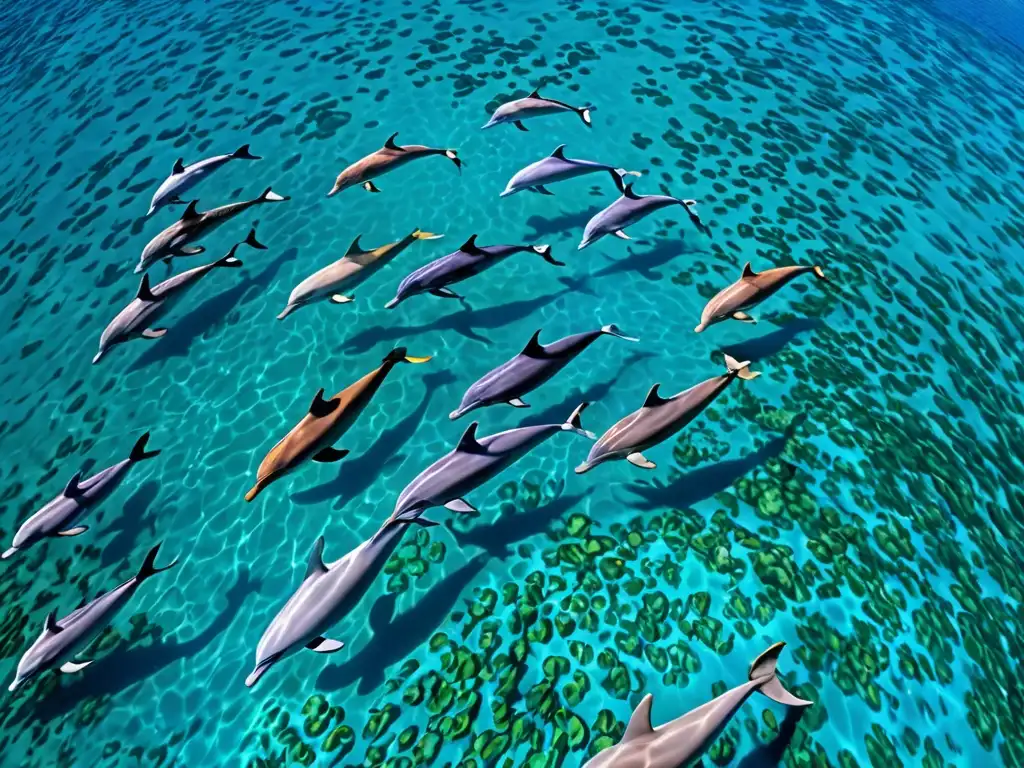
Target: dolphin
{"type": "Point", "coordinates": [629, 209]}
{"type": "Point", "coordinates": [150, 304]}
{"type": "Point", "coordinates": [57, 517]}
{"type": "Point", "coordinates": [558, 167]}
{"type": "Point", "coordinates": [675, 744]}
{"type": "Point", "coordinates": [750, 290]}
{"type": "Point", "coordinates": [471, 259]}
{"type": "Point", "coordinates": [184, 177]}
{"type": "Point", "coordinates": [63, 639]}
{"type": "Point", "coordinates": [660, 418]}
{"type": "Point", "coordinates": [348, 272]}
{"type": "Point", "coordinates": [327, 420]}
{"type": "Point", "coordinates": [384, 160]}
{"type": "Point", "coordinates": [475, 461]}
{"type": "Point", "coordinates": [193, 225]}
{"type": "Point", "coordinates": [535, 365]}
{"type": "Point", "coordinates": [534, 105]}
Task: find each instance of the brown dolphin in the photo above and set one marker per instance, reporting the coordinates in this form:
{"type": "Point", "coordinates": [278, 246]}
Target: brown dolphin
{"type": "Point", "coordinates": [326, 421]}
{"type": "Point", "coordinates": [385, 160]}
{"type": "Point", "coordinates": [750, 290]}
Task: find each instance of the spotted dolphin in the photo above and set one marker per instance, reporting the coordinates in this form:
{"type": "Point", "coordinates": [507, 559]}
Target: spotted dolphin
{"type": "Point", "coordinates": [184, 177]}
{"type": "Point", "coordinates": [629, 209]}
{"type": "Point", "coordinates": [679, 742]}
{"type": "Point", "coordinates": [659, 418]}
{"type": "Point", "coordinates": [63, 639]}
{"type": "Point", "coordinates": [150, 304]}
{"type": "Point", "coordinates": [58, 516]}
{"type": "Point", "coordinates": [471, 259]}
{"type": "Point", "coordinates": [193, 225]}
{"type": "Point", "coordinates": [327, 420]}
{"type": "Point", "coordinates": [384, 160]}
{"type": "Point", "coordinates": [557, 167]}
{"type": "Point", "coordinates": [750, 290]}
{"type": "Point", "coordinates": [535, 105]}
{"type": "Point", "coordinates": [475, 461]}
{"type": "Point", "coordinates": [349, 271]}
{"type": "Point", "coordinates": [535, 365]}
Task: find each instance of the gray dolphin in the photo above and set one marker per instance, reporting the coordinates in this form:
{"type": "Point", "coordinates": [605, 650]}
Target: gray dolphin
{"type": "Point", "coordinates": [386, 159]}
{"type": "Point", "coordinates": [193, 225]}
{"type": "Point", "coordinates": [675, 744]}
{"type": "Point", "coordinates": [660, 418]}
{"type": "Point", "coordinates": [471, 259]}
{"type": "Point", "coordinates": [534, 105]}
{"type": "Point", "coordinates": [557, 167]}
{"type": "Point", "coordinates": [475, 461]}
{"type": "Point", "coordinates": [629, 209]}
{"type": "Point", "coordinates": [184, 177]}
{"type": "Point", "coordinates": [150, 304]}
{"type": "Point", "coordinates": [750, 290]}
{"type": "Point", "coordinates": [327, 594]}
{"type": "Point", "coordinates": [56, 518]}
{"type": "Point", "coordinates": [535, 365]}
{"type": "Point", "coordinates": [65, 638]}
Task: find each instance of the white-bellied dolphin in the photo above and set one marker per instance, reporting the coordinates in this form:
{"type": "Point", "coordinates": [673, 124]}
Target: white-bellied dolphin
{"type": "Point", "coordinates": [474, 461]}
{"type": "Point", "coordinates": [535, 365]}
{"type": "Point", "coordinates": [660, 418]}
{"type": "Point", "coordinates": [471, 259]}
{"type": "Point", "coordinates": [750, 290]}
{"type": "Point", "coordinates": [58, 516]}
{"type": "Point", "coordinates": [327, 420]}
{"type": "Point", "coordinates": [534, 105]}
{"type": "Point", "coordinates": [678, 743]}
{"type": "Point", "coordinates": [629, 209]}
{"type": "Point", "coordinates": [193, 225]}
{"type": "Point", "coordinates": [557, 167]}
{"type": "Point", "coordinates": [63, 639]}
{"type": "Point", "coordinates": [384, 160]}
{"type": "Point", "coordinates": [184, 177]}
{"type": "Point", "coordinates": [348, 272]}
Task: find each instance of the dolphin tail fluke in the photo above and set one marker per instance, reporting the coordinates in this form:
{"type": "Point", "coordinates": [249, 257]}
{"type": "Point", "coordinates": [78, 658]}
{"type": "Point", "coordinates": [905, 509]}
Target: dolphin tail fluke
{"type": "Point", "coordinates": [573, 424]}
{"type": "Point", "coordinates": [230, 260]}
{"type": "Point", "coordinates": [243, 153]}
{"type": "Point", "coordinates": [419, 234]}
{"type": "Point", "coordinates": [401, 355]}
{"type": "Point", "coordinates": [820, 273]}
{"type": "Point", "coordinates": [452, 155]}
{"type": "Point", "coordinates": [139, 452]}
{"type": "Point", "coordinates": [252, 242]}
{"type": "Point", "coordinates": [149, 565]}
{"type": "Point", "coordinates": [613, 330]}
{"type": "Point", "coordinates": [740, 369]}
{"type": "Point", "coordinates": [584, 114]}
{"type": "Point", "coordinates": [270, 196]}
{"type": "Point", "coordinates": [764, 667]}
{"type": "Point", "coordinates": [545, 253]}
{"type": "Point", "coordinates": [619, 177]}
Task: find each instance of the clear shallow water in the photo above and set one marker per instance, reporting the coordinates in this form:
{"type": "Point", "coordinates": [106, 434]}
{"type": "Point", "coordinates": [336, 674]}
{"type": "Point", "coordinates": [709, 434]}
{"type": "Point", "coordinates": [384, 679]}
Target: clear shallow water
{"type": "Point", "coordinates": [883, 143]}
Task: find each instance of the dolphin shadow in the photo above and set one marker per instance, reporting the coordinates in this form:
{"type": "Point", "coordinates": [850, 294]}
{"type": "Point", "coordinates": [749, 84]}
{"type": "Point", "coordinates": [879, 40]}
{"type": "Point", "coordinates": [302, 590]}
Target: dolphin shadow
{"type": "Point", "coordinates": [130, 524]}
{"type": "Point", "coordinates": [644, 262]}
{"type": "Point", "coordinates": [556, 225]}
{"type": "Point", "coordinates": [395, 637]}
{"type": "Point", "coordinates": [119, 670]}
{"type": "Point", "coordinates": [772, 343]}
{"type": "Point", "coordinates": [770, 755]}
{"type": "Point", "coordinates": [182, 333]}
{"type": "Point", "coordinates": [355, 476]}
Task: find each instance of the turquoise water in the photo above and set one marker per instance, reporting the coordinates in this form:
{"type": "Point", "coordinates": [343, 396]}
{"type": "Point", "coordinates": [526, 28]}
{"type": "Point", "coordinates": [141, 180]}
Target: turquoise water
{"type": "Point", "coordinates": [858, 501]}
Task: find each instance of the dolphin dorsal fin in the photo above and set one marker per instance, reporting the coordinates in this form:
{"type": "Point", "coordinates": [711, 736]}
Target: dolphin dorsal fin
{"type": "Point", "coordinates": [390, 143]}
{"type": "Point", "coordinates": [470, 245]}
{"type": "Point", "coordinates": [316, 559]}
{"type": "Point", "coordinates": [190, 211]}
{"type": "Point", "coordinates": [320, 407]}
{"type": "Point", "coordinates": [72, 489]}
{"type": "Point", "coordinates": [533, 347]}
{"type": "Point", "coordinates": [355, 247]}
{"type": "Point", "coordinates": [559, 152]}
{"type": "Point", "coordinates": [179, 166]}
{"type": "Point", "coordinates": [653, 398]}
{"type": "Point", "coordinates": [627, 191]}
{"type": "Point", "coordinates": [535, 94]}
{"type": "Point", "coordinates": [145, 294]}
{"type": "Point", "coordinates": [748, 271]}
{"type": "Point", "coordinates": [468, 443]}
{"type": "Point", "coordinates": [50, 623]}
{"type": "Point", "coordinates": [640, 721]}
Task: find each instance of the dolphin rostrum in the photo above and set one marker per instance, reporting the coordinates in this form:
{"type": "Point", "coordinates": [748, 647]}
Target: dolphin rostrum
{"type": "Point", "coordinates": [629, 209]}
{"type": "Point", "coordinates": [750, 290]}
{"type": "Point", "coordinates": [327, 420]}
{"type": "Point", "coordinates": [535, 365]}
{"type": "Point", "coordinates": [557, 167]}
{"type": "Point", "coordinates": [57, 518]}
{"type": "Point", "coordinates": [475, 461]}
{"type": "Point", "coordinates": [347, 272]}
{"type": "Point", "coordinates": [193, 225]}
{"type": "Point", "coordinates": [63, 639]}
{"type": "Point", "coordinates": [534, 105]}
{"type": "Point", "coordinates": [184, 177]}
{"type": "Point", "coordinates": [660, 418]}
{"type": "Point", "coordinates": [150, 304]}
{"type": "Point", "coordinates": [679, 742]}
{"type": "Point", "coordinates": [384, 160]}
{"type": "Point", "coordinates": [471, 259]}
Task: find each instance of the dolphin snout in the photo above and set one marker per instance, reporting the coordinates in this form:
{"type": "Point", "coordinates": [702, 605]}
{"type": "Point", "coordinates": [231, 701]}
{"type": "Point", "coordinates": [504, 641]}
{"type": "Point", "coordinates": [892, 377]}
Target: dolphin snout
{"type": "Point", "coordinates": [14, 684]}
{"type": "Point", "coordinates": [9, 553]}
{"type": "Point", "coordinates": [585, 466]}
{"type": "Point", "coordinates": [138, 268]}
{"type": "Point", "coordinates": [700, 328]}
{"type": "Point", "coordinates": [95, 360]}
{"type": "Point", "coordinates": [257, 673]}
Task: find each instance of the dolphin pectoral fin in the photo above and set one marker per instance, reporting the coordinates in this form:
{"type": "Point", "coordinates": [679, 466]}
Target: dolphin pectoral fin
{"type": "Point", "coordinates": [153, 333]}
{"type": "Point", "coordinates": [743, 317]}
{"type": "Point", "coordinates": [622, 235]}
{"type": "Point", "coordinates": [638, 460]}
{"type": "Point", "coordinates": [70, 667]}
{"type": "Point", "coordinates": [340, 298]}
{"type": "Point", "coordinates": [327, 455]}
{"type": "Point", "coordinates": [74, 531]}
{"type": "Point", "coordinates": [461, 506]}
{"type": "Point", "coordinates": [191, 250]}
{"type": "Point", "coordinates": [323, 645]}
{"type": "Point", "coordinates": [445, 293]}
{"type": "Point", "coordinates": [519, 124]}
{"type": "Point", "coordinates": [543, 190]}
{"type": "Point", "coordinates": [369, 186]}
{"type": "Point", "coordinates": [516, 402]}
